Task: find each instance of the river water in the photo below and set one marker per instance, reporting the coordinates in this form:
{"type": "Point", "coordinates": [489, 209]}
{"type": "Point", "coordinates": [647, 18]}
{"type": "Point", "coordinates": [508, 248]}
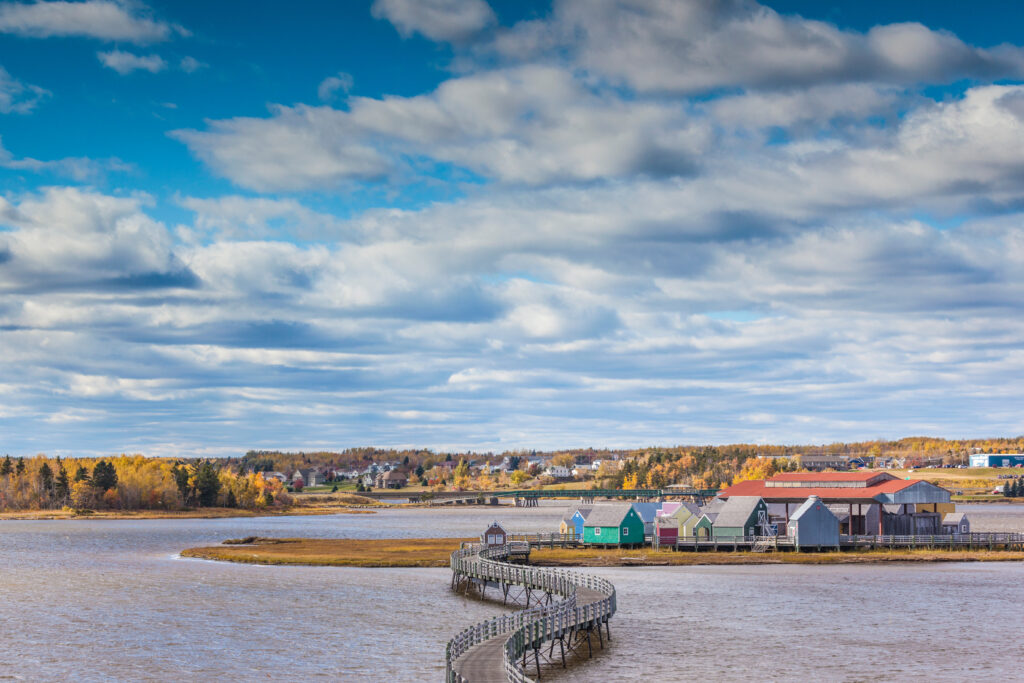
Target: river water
{"type": "Point", "coordinates": [95, 600]}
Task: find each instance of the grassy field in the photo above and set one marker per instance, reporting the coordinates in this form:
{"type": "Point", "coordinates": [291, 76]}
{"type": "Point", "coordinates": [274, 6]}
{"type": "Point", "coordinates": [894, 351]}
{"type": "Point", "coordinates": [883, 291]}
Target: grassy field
{"type": "Point", "coordinates": [406, 552]}
{"type": "Point", "coordinates": [971, 481]}
{"type": "Point", "coordinates": [434, 552]}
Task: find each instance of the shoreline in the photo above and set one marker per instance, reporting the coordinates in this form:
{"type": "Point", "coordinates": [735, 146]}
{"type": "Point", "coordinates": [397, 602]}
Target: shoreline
{"type": "Point", "coordinates": [198, 513]}
{"type": "Point", "coordinates": [435, 552]}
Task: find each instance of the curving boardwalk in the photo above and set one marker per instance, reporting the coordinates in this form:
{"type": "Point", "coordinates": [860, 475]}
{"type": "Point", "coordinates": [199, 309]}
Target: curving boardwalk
{"type": "Point", "coordinates": [496, 650]}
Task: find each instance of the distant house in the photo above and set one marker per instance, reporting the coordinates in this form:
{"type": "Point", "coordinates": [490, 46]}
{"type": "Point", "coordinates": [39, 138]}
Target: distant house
{"type": "Point", "coordinates": [392, 479]}
{"type": "Point", "coordinates": [613, 524]}
{"type": "Point", "coordinates": [558, 472]}
{"type": "Point", "coordinates": [956, 523]}
{"type": "Point", "coordinates": [495, 535]}
{"type": "Point", "coordinates": [814, 525]}
{"type": "Point", "coordinates": [267, 476]}
{"type": "Point", "coordinates": [308, 477]}
{"type": "Point", "coordinates": [819, 463]}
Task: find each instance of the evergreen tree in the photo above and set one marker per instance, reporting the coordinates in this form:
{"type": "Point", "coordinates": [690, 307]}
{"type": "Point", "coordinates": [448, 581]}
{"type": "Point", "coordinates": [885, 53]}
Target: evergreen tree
{"type": "Point", "coordinates": [207, 484]}
{"type": "Point", "coordinates": [181, 480]}
{"type": "Point", "coordinates": [1008, 488]}
{"type": "Point", "coordinates": [46, 478]}
{"type": "Point", "coordinates": [6, 467]}
{"type": "Point", "coordinates": [419, 471]}
{"type": "Point", "coordinates": [448, 458]}
{"type": "Point", "coordinates": [81, 474]}
{"type": "Point", "coordinates": [231, 502]}
{"type": "Point", "coordinates": [61, 487]}
{"type": "Point", "coordinates": [104, 477]}
{"type": "Point", "coordinates": [20, 467]}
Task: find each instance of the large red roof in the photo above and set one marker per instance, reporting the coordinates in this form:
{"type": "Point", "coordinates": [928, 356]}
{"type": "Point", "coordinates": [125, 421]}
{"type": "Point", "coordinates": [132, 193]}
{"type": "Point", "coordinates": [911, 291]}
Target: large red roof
{"type": "Point", "coordinates": [826, 493]}
{"type": "Point", "coordinates": [828, 476]}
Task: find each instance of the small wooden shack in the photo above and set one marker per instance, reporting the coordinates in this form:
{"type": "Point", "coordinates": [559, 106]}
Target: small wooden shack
{"type": "Point", "coordinates": [613, 524]}
{"type": "Point", "coordinates": [741, 516]}
{"type": "Point", "coordinates": [813, 525]}
{"type": "Point", "coordinates": [572, 524]}
{"type": "Point", "coordinates": [671, 520]}
{"type": "Point", "coordinates": [956, 523]}
{"type": "Point", "coordinates": [495, 536]}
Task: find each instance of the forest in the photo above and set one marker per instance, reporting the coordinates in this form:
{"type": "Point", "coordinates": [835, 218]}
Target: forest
{"type": "Point", "coordinates": [136, 482]}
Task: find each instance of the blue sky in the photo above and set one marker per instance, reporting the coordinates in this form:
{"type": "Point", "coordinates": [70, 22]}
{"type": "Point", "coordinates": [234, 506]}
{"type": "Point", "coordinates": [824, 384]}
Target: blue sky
{"type": "Point", "coordinates": [462, 225]}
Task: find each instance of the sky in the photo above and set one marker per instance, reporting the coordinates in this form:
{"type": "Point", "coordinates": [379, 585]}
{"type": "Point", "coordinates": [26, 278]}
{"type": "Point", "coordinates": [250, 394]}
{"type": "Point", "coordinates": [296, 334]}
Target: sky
{"type": "Point", "coordinates": [484, 226]}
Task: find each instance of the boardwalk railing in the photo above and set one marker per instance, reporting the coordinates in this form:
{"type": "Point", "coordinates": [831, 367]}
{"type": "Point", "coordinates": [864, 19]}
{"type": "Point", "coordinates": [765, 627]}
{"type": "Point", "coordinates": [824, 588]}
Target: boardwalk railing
{"type": "Point", "coordinates": [526, 629]}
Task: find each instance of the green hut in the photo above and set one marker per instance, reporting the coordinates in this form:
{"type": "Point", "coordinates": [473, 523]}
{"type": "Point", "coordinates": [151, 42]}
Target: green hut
{"type": "Point", "coordinates": [741, 516]}
{"type": "Point", "coordinates": [614, 524]}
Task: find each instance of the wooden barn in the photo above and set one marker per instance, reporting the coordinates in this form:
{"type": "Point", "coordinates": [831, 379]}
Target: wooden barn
{"type": "Point", "coordinates": [813, 525]}
{"type": "Point", "coordinates": [613, 524]}
{"type": "Point", "coordinates": [494, 536]}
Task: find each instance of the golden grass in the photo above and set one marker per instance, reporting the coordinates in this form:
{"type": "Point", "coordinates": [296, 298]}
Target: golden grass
{"type": "Point", "coordinates": [435, 552]}
{"type": "Point", "coordinates": [646, 557]}
{"type": "Point", "coordinates": [404, 552]}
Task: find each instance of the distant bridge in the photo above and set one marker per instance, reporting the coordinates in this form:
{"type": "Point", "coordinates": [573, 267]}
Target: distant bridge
{"type": "Point", "coordinates": [529, 497]}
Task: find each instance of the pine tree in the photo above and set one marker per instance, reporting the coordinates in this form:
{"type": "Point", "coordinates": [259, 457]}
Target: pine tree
{"type": "Point", "coordinates": [1008, 488]}
{"type": "Point", "coordinates": [104, 477]}
{"type": "Point", "coordinates": [81, 474]}
{"type": "Point", "coordinates": [61, 487]}
{"type": "Point", "coordinates": [207, 484]}
{"type": "Point", "coordinates": [6, 467]}
{"type": "Point", "coordinates": [20, 467]}
{"type": "Point", "coordinates": [46, 478]}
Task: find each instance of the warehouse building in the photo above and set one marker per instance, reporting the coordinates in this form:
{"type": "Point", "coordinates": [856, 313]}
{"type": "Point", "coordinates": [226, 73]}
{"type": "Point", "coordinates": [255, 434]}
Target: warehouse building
{"type": "Point", "coordinates": [997, 460]}
{"type": "Point", "coordinates": [865, 502]}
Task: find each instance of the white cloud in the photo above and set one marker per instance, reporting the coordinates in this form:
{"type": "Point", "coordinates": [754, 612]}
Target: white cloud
{"type": "Point", "coordinates": [77, 168]}
{"type": "Point", "coordinates": [299, 148]}
{"type": "Point", "coordinates": [439, 20]}
{"type": "Point", "coordinates": [690, 46]}
{"type": "Point", "coordinates": [190, 64]}
{"type": "Point", "coordinates": [328, 87]}
{"type": "Point", "coordinates": [126, 62]}
{"type": "Point", "coordinates": [17, 97]}
{"type": "Point", "coordinates": [100, 19]}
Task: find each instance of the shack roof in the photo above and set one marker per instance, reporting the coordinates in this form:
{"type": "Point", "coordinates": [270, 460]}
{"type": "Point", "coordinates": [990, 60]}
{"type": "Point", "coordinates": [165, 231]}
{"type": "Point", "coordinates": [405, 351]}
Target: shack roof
{"type": "Point", "coordinates": [584, 511]}
{"type": "Point", "coordinates": [610, 514]}
{"type": "Point", "coordinates": [953, 518]}
{"type": "Point", "coordinates": [809, 505]}
{"type": "Point", "coordinates": [737, 511]}
{"type": "Point", "coordinates": [829, 476]}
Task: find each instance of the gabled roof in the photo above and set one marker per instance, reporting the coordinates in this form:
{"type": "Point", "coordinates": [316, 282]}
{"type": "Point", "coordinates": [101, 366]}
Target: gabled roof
{"type": "Point", "coordinates": [829, 476]}
{"type": "Point", "coordinates": [393, 475]}
{"type": "Point", "coordinates": [610, 514]}
{"type": "Point", "coordinates": [809, 505]}
{"type": "Point", "coordinates": [737, 511]}
{"type": "Point", "coordinates": [646, 511]}
{"type": "Point", "coordinates": [953, 518]}
{"type": "Point", "coordinates": [584, 511]}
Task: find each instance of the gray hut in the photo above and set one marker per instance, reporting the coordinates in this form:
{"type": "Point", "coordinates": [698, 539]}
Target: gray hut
{"type": "Point", "coordinates": [813, 525]}
{"type": "Point", "coordinates": [956, 523]}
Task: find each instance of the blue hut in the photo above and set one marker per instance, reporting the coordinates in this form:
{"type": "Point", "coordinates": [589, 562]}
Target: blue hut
{"type": "Point", "coordinates": [573, 522]}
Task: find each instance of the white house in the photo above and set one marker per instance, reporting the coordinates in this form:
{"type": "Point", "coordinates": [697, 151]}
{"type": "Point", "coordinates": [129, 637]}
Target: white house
{"type": "Point", "coordinates": [558, 472]}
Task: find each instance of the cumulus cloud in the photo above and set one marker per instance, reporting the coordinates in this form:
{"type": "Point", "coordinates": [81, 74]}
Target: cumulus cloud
{"type": "Point", "coordinates": [691, 47]}
{"type": "Point", "coordinates": [331, 85]}
{"type": "Point", "coordinates": [126, 62]}
{"type": "Point", "coordinates": [17, 97]}
{"type": "Point", "coordinates": [99, 19]}
{"type": "Point", "coordinates": [190, 64]}
{"type": "Point", "coordinates": [440, 20]}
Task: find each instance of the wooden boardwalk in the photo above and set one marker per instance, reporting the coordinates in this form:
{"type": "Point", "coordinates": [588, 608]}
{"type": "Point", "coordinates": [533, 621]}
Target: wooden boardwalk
{"type": "Point", "coordinates": [497, 649]}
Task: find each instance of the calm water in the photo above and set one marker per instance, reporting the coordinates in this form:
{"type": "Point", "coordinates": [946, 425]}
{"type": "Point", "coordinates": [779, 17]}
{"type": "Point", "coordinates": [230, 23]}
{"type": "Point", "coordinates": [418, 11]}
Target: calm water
{"type": "Point", "coordinates": [109, 600]}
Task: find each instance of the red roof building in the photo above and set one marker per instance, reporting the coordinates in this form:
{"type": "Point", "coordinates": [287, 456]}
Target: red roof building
{"type": "Point", "coordinates": [866, 498]}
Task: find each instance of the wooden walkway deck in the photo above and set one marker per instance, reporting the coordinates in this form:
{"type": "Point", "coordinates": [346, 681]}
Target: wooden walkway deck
{"type": "Point", "coordinates": [494, 650]}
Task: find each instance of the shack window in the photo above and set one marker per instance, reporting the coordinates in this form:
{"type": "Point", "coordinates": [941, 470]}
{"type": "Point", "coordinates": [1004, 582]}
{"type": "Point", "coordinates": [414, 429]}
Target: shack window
{"type": "Point", "coordinates": [597, 531]}
{"type": "Point", "coordinates": [625, 531]}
